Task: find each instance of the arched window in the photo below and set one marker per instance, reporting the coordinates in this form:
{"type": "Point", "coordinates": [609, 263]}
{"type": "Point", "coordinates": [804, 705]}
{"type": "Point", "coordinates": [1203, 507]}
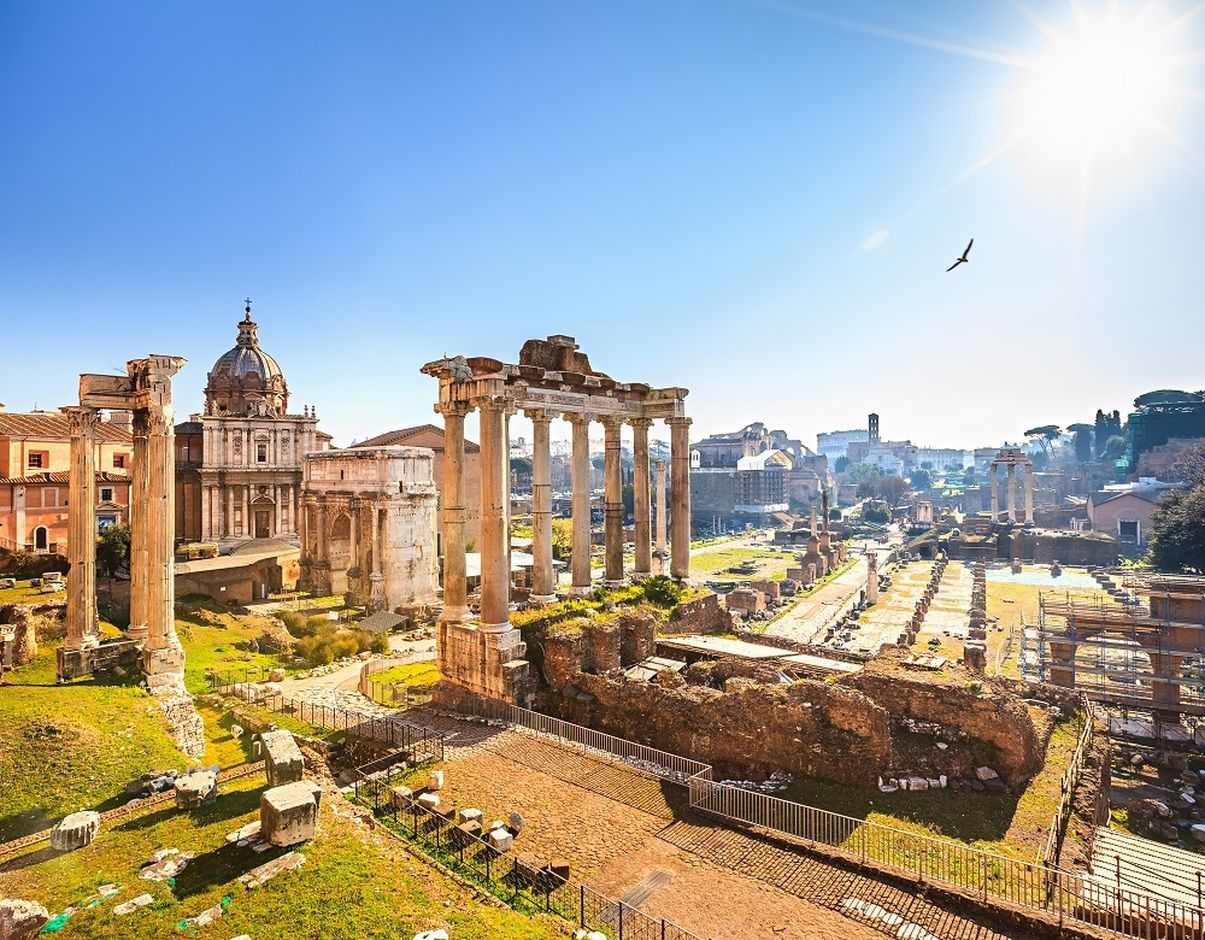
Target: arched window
{"type": "Point", "coordinates": [40, 539]}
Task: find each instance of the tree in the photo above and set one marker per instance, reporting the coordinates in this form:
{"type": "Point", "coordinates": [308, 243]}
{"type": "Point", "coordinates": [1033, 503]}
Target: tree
{"type": "Point", "coordinates": [1178, 522]}
{"type": "Point", "coordinates": [113, 550]}
{"type": "Point", "coordinates": [891, 488]}
{"type": "Point", "coordinates": [1083, 441]}
{"type": "Point", "coordinates": [1114, 447]}
{"type": "Point", "coordinates": [841, 464]}
{"type": "Point", "coordinates": [921, 478]}
{"type": "Point", "coordinates": [968, 475]}
{"type": "Point", "coordinates": [1044, 435]}
{"type": "Point", "coordinates": [562, 539]}
{"type": "Point", "coordinates": [520, 466]}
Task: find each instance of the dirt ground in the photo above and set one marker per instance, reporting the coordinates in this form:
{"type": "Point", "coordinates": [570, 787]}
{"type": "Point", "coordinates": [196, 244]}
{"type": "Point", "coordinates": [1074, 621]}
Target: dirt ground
{"type": "Point", "coordinates": [630, 835]}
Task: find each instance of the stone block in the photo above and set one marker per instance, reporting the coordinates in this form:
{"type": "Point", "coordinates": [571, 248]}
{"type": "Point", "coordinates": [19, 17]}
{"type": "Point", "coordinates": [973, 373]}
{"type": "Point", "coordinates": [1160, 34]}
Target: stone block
{"type": "Point", "coordinates": [199, 788]}
{"type": "Point", "coordinates": [20, 920]}
{"type": "Point", "coordinates": [269, 870]}
{"type": "Point", "coordinates": [516, 823]}
{"type": "Point", "coordinates": [75, 831]}
{"type": "Point", "coordinates": [283, 762]}
{"type": "Point", "coordinates": [130, 906]}
{"type": "Point", "coordinates": [289, 814]}
{"type": "Point", "coordinates": [438, 934]}
{"type": "Point", "coordinates": [467, 833]}
{"type": "Point", "coordinates": [984, 774]}
{"type": "Point", "coordinates": [469, 815]}
{"type": "Point", "coordinates": [436, 780]}
{"type": "Point", "coordinates": [401, 797]}
{"type": "Point", "coordinates": [428, 801]}
{"type": "Point", "coordinates": [558, 871]}
{"type": "Point", "coordinates": [500, 840]}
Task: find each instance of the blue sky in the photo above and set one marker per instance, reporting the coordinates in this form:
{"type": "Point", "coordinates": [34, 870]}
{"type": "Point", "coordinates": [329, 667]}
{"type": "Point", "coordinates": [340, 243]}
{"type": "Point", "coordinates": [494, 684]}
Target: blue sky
{"type": "Point", "coordinates": [689, 188]}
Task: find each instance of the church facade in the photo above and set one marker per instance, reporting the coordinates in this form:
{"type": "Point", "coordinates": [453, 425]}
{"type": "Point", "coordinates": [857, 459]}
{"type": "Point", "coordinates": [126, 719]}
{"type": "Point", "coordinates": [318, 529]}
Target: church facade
{"type": "Point", "coordinates": [239, 463]}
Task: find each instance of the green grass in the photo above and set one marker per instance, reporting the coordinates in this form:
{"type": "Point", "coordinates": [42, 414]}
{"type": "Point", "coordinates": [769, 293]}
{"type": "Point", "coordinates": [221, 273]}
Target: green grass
{"type": "Point", "coordinates": [23, 593]}
{"type": "Point", "coordinates": [772, 564]}
{"type": "Point", "coordinates": [214, 646]}
{"type": "Point", "coordinates": [353, 884]}
{"type": "Point", "coordinates": [73, 746]}
{"type": "Point", "coordinates": [414, 676]}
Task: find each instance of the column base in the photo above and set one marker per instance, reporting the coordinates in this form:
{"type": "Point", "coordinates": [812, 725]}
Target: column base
{"type": "Point", "coordinates": [577, 590]}
{"type": "Point", "coordinates": [454, 615]}
{"type": "Point", "coordinates": [492, 665]}
{"type": "Point", "coordinates": [138, 634]}
{"type": "Point", "coordinates": [89, 641]}
{"type": "Point", "coordinates": [613, 584]}
{"type": "Point", "coordinates": [541, 600]}
{"type": "Point", "coordinates": [495, 628]}
{"type": "Point", "coordinates": [641, 575]}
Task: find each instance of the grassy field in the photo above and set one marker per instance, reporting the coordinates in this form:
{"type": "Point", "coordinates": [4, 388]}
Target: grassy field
{"type": "Point", "coordinates": [72, 746]}
{"type": "Point", "coordinates": [771, 565]}
{"type": "Point", "coordinates": [354, 883]}
{"type": "Point", "coordinates": [23, 593]}
{"type": "Point", "coordinates": [1003, 823]}
{"type": "Point", "coordinates": [212, 643]}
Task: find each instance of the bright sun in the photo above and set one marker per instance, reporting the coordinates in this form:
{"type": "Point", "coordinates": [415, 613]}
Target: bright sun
{"type": "Point", "coordinates": [1101, 94]}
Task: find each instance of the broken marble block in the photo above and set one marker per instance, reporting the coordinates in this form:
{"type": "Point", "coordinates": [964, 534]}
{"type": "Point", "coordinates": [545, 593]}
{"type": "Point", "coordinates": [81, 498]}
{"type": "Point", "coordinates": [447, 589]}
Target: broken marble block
{"type": "Point", "coordinates": [401, 797]}
{"type": "Point", "coordinates": [289, 814]}
{"type": "Point", "coordinates": [469, 816]}
{"type": "Point", "coordinates": [436, 780]}
{"type": "Point", "coordinates": [130, 906]}
{"type": "Point", "coordinates": [244, 835]}
{"type": "Point", "coordinates": [75, 831]}
{"type": "Point", "coordinates": [20, 920]}
{"type": "Point", "coordinates": [199, 788]}
{"type": "Point", "coordinates": [429, 801]}
{"type": "Point", "coordinates": [290, 861]}
{"type": "Point", "coordinates": [283, 762]}
{"type": "Point", "coordinates": [500, 840]}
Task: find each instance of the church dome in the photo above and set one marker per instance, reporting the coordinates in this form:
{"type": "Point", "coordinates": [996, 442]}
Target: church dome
{"type": "Point", "coordinates": [246, 379]}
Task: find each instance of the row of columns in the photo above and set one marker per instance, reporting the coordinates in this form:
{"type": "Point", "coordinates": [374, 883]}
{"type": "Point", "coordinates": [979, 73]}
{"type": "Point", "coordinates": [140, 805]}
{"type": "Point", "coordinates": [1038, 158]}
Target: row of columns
{"type": "Point", "coordinates": [1010, 492]}
{"type": "Point", "coordinates": [495, 505]}
{"type": "Point", "coordinates": [217, 514]}
{"type": "Point", "coordinates": [152, 516]}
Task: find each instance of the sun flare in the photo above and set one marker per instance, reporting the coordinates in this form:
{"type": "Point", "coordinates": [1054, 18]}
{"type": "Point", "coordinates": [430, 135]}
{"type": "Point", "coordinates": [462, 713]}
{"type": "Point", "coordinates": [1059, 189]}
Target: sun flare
{"type": "Point", "coordinates": [1102, 94]}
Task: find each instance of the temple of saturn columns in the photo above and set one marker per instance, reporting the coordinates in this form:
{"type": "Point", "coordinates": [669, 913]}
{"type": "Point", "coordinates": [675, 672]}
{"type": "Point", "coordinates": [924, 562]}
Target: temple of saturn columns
{"type": "Point", "coordinates": [1011, 458]}
{"type": "Point", "coordinates": [146, 391]}
{"type": "Point", "coordinates": [551, 379]}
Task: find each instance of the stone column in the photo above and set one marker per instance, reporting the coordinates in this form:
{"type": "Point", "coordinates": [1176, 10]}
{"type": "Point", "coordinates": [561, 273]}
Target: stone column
{"type": "Point", "coordinates": [455, 589]}
{"type": "Point", "coordinates": [993, 482]}
{"type": "Point", "coordinates": [495, 569]}
{"type": "Point", "coordinates": [543, 587]}
{"type": "Point", "coordinates": [228, 532]}
{"type": "Point", "coordinates": [872, 577]}
{"type": "Point", "coordinates": [679, 450]}
{"type": "Point", "coordinates": [640, 501]}
{"type": "Point", "coordinates": [82, 629]}
{"type": "Point", "coordinates": [206, 508]}
{"type": "Point", "coordinates": [138, 528]}
{"type": "Point", "coordinates": [581, 502]}
{"type": "Point", "coordinates": [162, 654]}
{"type": "Point", "coordinates": [1010, 491]}
{"type": "Point", "coordinates": [1029, 494]}
{"type": "Point", "coordinates": [660, 530]}
{"type": "Point", "coordinates": [612, 501]}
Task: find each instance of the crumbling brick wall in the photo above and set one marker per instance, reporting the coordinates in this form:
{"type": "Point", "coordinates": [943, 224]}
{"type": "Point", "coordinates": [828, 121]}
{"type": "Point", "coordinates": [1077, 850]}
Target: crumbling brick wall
{"type": "Point", "coordinates": [700, 615]}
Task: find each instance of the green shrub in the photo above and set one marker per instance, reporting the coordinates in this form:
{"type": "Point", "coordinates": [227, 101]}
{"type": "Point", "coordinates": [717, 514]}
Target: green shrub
{"type": "Point", "coordinates": [662, 591]}
{"type": "Point", "coordinates": [318, 623]}
{"type": "Point", "coordinates": [380, 644]}
{"type": "Point", "coordinates": [295, 623]}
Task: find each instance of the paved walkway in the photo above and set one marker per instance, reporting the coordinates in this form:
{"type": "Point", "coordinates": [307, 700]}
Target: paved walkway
{"type": "Point", "coordinates": [808, 619]}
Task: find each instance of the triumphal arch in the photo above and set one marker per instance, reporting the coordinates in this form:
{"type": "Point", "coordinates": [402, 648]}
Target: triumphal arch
{"type": "Point", "coordinates": [552, 379]}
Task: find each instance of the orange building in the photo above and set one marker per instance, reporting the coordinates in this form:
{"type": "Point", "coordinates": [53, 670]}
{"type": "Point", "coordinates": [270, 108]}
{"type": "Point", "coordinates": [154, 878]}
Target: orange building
{"type": "Point", "coordinates": [35, 460]}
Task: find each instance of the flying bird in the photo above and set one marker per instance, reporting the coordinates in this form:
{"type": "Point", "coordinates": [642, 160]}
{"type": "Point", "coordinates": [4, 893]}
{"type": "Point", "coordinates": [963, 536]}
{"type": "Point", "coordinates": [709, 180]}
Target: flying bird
{"type": "Point", "coordinates": [962, 258]}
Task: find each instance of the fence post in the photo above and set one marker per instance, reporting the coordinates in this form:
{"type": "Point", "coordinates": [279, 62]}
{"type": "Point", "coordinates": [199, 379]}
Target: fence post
{"type": "Point", "coordinates": [621, 920]}
{"type": "Point", "coordinates": [582, 904]}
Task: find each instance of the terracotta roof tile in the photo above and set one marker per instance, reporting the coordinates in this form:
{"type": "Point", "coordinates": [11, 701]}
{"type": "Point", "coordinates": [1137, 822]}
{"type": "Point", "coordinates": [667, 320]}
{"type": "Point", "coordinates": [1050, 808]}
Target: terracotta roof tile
{"type": "Point", "coordinates": [62, 476]}
{"type": "Point", "coordinates": [47, 425]}
{"type": "Point", "coordinates": [405, 435]}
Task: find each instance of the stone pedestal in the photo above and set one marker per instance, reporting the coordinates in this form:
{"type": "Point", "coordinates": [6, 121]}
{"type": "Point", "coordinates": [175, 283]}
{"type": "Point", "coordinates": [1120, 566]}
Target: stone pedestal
{"type": "Point", "coordinates": [20, 920]}
{"type": "Point", "coordinates": [289, 814]}
{"type": "Point", "coordinates": [75, 831]}
{"type": "Point", "coordinates": [482, 663]}
{"type": "Point", "coordinates": [283, 762]}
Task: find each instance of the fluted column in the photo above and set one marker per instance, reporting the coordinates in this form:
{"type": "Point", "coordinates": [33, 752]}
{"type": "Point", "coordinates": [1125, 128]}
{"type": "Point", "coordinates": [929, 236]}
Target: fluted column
{"type": "Point", "coordinates": [543, 585]}
{"type": "Point", "coordinates": [660, 527]}
{"type": "Point", "coordinates": [640, 502]}
{"type": "Point", "coordinates": [138, 528]}
{"type": "Point", "coordinates": [495, 568]}
{"type": "Point", "coordinates": [82, 628]}
{"type": "Point", "coordinates": [679, 450]}
{"type": "Point", "coordinates": [581, 501]}
{"type": "Point", "coordinates": [455, 588]}
{"type": "Point", "coordinates": [1029, 494]}
{"type": "Point", "coordinates": [993, 481]}
{"type": "Point", "coordinates": [161, 510]}
{"type": "Point", "coordinates": [1010, 491]}
{"type": "Point", "coordinates": [612, 500]}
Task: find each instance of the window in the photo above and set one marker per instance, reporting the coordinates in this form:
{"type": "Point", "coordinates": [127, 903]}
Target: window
{"type": "Point", "coordinates": [106, 494]}
{"type": "Point", "coordinates": [119, 461]}
{"type": "Point", "coordinates": [35, 460]}
{"type": "Point", "coordinates": [261, 453]}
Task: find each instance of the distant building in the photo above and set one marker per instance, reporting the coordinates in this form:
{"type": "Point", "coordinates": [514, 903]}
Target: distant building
{"type": "Point", "coordinates": [941, 458]}
{"type": "Point", "coordinates": [834, 444]}
{"type": "Point", "coordinates": [1161, 417]}
{"type": "Point", "coordinates": [1124, 510]}
{"type": "Point", "coordinates": [743, 477]}
{"type": "Point", "coordinates": [889, 456]}
{"type": "Point", "coordinates": [35, 465]}
{"type": "Point", "coordinates": [238, 465]}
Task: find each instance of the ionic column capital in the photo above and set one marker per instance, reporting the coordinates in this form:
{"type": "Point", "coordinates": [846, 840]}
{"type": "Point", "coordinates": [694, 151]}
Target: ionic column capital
{"type": "Point", "coordinates": [453, 409]}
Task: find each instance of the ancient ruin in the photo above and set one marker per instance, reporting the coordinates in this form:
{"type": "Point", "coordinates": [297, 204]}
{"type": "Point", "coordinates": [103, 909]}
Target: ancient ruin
{"type": "Point", "coordinates": [551, 379]}
{"type": "Point", "coordinates": [368, 526]}
{"type": "Point", "coordinates": [1011, 458]}
{"type": "Point", "coordinates": [146, 391]}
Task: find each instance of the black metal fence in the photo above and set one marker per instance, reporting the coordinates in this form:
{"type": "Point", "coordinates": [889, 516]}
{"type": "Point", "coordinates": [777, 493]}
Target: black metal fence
{"type": "Point", "coordinates": [420, 743]}
{"type": "Point", "coordinates": [522, 882]}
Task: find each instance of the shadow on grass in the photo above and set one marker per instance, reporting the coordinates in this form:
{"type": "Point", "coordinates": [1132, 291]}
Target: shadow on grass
{"type": "Point", "coordinates": [219, 866]}
{"type": "Point", "coordinates": [227, 806]}
{"type": "Point", "coordinates": [17, 825]}
{"type": "Point", "coordinates": [18, 862]}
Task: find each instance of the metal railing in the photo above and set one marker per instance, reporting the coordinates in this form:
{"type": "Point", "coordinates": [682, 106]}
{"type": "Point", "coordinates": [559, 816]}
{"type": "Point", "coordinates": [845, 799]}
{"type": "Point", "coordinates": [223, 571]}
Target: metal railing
{"type": "Point", "coordinates": [1072, 897]}
{"type": "Point", "coordinates": [513, 877]}
{"type": "Point", "coordinates": [420, 742]}
{"type": "Point", "coordinates": [1062, 813]}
